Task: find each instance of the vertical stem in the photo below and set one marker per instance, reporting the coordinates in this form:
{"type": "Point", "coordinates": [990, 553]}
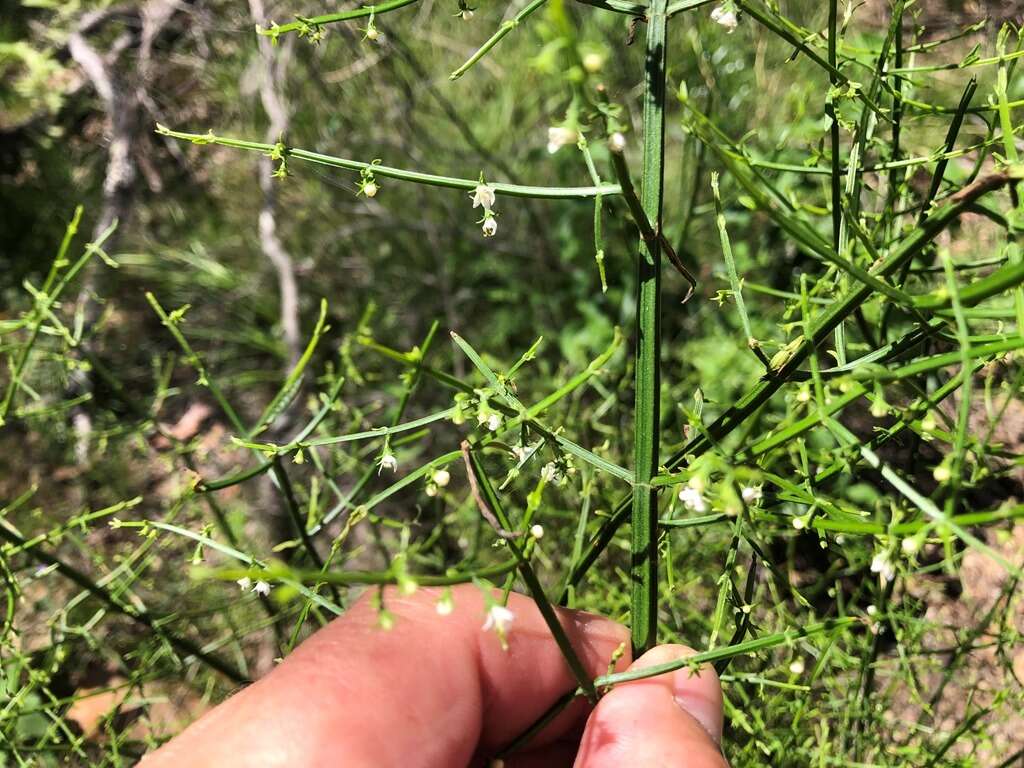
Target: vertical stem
{"type": "Point", "coordinates": [837, 207]}
{"type": "Point", "coordinates": [897, 103]}
{"type": "Point", "coordinates": [830, 110]}
{"type": "Point", "coordinates": [644, 567]}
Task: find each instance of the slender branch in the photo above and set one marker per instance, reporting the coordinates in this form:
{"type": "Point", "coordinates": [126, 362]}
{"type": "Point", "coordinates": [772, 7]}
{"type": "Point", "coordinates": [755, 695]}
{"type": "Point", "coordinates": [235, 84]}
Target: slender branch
{"type": "Point", "coordinates": [511, 190]}
{"type": "Point", "coordinates": [307, 25]}
{"type": "Point", "coordinates": [496, 38]}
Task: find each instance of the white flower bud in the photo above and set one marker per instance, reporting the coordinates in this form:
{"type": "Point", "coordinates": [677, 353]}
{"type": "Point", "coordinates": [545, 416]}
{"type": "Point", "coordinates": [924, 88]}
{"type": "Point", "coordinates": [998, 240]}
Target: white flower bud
{"type": "Point", "coordinates": [693, 499]}
{"type": "Point", "coordinates": [560, 136]}
{"type": "Point", "coordinates": [726, 18]}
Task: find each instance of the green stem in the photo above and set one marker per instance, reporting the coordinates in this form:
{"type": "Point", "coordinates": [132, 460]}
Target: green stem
{"type": "Point", "coordinates": [636, 10]}
{"type": "Point", "coordinates": [830, 112]}
{"type": "Point", "coordinates": [644, 550]}
{"type": "Point", "coordinates": [494, 39]}
{"type": "Point", "coordinates": [726, 652]}
{"type": "Point", "coordinates": [349, 578]}
{"type": "Point", "coordinates": [303, 24]}
{"type": "Point", "coordinates": [430, 179]}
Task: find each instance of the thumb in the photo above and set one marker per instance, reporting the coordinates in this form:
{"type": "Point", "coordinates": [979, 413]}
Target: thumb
{"type": "Point", "coordinates": [673, 719]}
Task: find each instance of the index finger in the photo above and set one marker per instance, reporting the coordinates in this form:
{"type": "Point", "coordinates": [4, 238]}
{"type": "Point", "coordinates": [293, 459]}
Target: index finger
{"type": "Point", "coordinates": [426, 692]}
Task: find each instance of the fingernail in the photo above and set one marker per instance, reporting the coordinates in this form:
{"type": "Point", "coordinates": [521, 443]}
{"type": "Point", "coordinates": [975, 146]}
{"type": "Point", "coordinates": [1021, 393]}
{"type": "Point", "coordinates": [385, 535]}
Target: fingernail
{"type": "Point", "coordinates": [701, 698]}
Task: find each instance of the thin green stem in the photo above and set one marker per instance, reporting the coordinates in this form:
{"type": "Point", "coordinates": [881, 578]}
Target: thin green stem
{"type": "Point", "coordinates": [636, 10]}
{"type": "Point", "coordinates": [305, 25]}
{"type": "Point", "coordinates": [725, 652]}
{"type": "Point", "coordinates": [830, 113]}
{"type": "Point", "coordinates": [511, 190]}
{"type": "Point", "coordinates": [494, 39]}
{"type": "Point", "coordinates": [644, 549]}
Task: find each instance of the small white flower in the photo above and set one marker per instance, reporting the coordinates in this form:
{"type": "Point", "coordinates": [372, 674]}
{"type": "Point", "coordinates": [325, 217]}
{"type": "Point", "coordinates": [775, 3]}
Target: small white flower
{"type": "Point", "coordinates": [445, 605]}
{"type": "Point", "coordinates": [490, 226]}
{"type": "Point", "coordinates": [910, 545]}
{"type": "Point", "coordinates": [593, 62]}
{"type": "Point", "coordinates": [549, 472]}
{"type": "Point", "coordinates": [617, 143]}
{"type": "Point", "coordinates": [520, 452]}
{"type": "Point", "coordinates": [799, 523]}
{"type": "Point", "coordinates": [494, 422]}
{"type": "Point", "coordinates": [797, 666]}
{"type": "Point", "coordinates": [726, 18]}
{"type": "Point", "coordinates": [244, 583]}
{"type": "Point", "coordinates": [387, 461]}
{"type": "Point", "coordinates": [882, 565]}
{"type": "Point", "coordinates": [498, 618]}
{"type": "Point", "coordinates": [751, 493]}
{"type": "Point", "coordinates": [537, 531]}
{"type": "Point", "coordinates": [692, 499]}
{"type": "Point", "coordinates": [483, 196]}
{"type": "Point", "coordinates": [441, 478]}
{"type": "Point", "coordinates": [370, 189]}
{"type": "Point", "coordinates": [560, 136]}
{"type": "Point", "coordinates": [261, 588]}
{"type": "Point", "coordinates": [431, 490]}
{"type": "Point", "coordinates": [872, 610]}
{"type": "Point", "coordinates": [466, 14]}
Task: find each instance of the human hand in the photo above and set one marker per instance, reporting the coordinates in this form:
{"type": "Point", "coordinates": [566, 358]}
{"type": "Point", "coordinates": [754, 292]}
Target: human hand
{"type": "Point", "coordinates": [438, 692]}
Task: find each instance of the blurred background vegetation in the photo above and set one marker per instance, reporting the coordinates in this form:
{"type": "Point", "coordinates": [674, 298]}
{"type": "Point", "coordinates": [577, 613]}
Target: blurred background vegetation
{"type": "Point", "coordinates": [119, 415]}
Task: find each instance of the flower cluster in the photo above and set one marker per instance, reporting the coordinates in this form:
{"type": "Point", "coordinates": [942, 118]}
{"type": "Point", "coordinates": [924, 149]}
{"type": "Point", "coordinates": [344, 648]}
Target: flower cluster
{"type": "Point", "coordinates": [367, 183]}
{"type": "Point", "coordinates": [484, 197]}
{"type": "Point", "coordinates": [387, 459]}
{"type": "Point", "coordinates": [693, 498]}
{"type": "Point", "coordinates": [260, 587]}
{"type": "Point", "coordinates": [438, 479]}
{"type": "Point", "coordinates": [725, 15]}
